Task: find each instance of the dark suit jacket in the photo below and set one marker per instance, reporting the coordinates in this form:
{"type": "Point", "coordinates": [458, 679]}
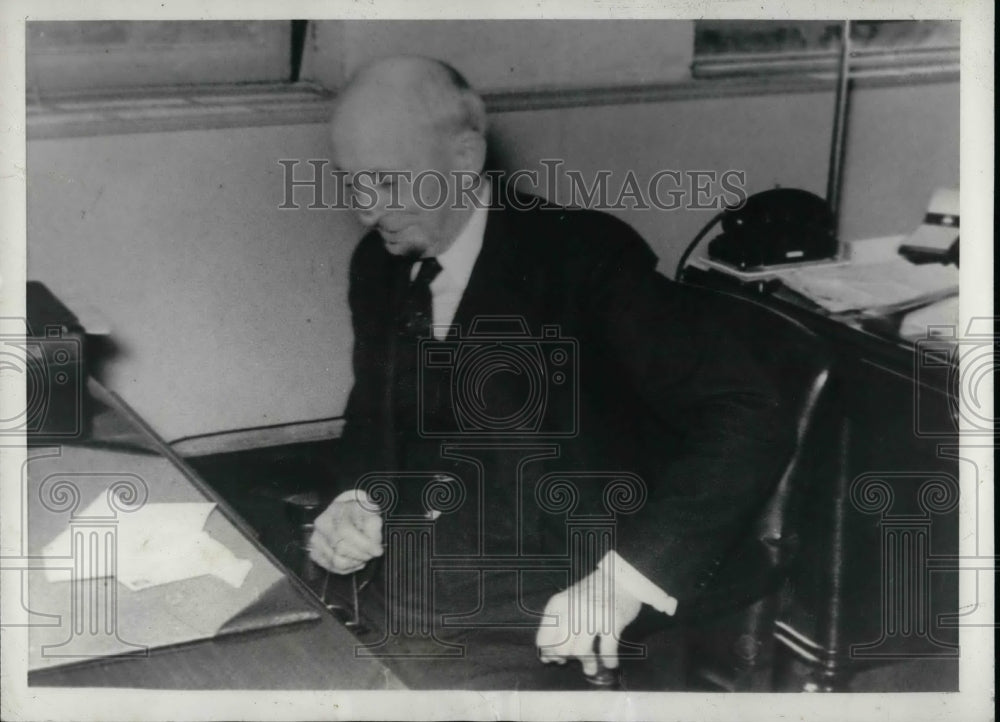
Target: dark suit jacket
{"type": "Point", "coordinates": [660, 390]}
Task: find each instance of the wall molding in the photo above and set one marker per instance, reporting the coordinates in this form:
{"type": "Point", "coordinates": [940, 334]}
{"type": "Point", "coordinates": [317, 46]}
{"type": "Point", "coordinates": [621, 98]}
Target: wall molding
{"type": "Point", "coordinates": [821, 82]}
{"type": "Point", "coordinates": [203, 108]}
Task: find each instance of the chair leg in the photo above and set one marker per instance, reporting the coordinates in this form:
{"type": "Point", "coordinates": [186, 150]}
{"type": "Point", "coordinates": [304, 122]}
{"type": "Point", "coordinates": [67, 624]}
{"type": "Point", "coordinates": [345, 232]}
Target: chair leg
{"type": "Point", "coordinates": [795, 674]}
{"type": "Point", "coordinates": [736, 652]}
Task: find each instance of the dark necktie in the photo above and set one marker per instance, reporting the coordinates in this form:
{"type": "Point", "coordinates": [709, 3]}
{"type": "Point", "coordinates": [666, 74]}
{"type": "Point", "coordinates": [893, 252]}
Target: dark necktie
{"type": "Point", "coordinates": [416, 314]}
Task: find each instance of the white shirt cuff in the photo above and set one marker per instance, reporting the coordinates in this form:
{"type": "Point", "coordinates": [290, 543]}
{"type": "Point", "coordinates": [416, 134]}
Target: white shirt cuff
{"type": "Point", "coordinates": [637, 584]}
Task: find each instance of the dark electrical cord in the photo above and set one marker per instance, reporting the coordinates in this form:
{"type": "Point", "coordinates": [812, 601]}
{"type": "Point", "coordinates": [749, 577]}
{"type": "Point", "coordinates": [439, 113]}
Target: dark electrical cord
{"type": "Point", "coordinates": [694, 244]}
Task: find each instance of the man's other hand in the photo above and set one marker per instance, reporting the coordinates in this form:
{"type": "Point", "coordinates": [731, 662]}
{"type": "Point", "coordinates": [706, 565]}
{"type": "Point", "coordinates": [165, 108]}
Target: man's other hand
{"type": "Point", "coordinates": [347, 534]}
{"type": "Point", "coordinates": [593, 607]}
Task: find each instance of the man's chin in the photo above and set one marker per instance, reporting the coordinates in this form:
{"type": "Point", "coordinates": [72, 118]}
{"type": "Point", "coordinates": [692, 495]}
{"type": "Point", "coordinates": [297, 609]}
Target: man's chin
{"type": "Point", "coordinates": [391, 242]}
{"type": "Point", "coordinates": [397, 246]}
{"type": "Point", "coordinates": [398, 249]}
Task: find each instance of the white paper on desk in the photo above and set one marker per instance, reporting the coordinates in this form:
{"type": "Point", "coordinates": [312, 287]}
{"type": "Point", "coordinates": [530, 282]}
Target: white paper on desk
{"type": "Point", "coordinates": [870, 285]}
{"type": "Point", "coordinates": [929, 321]}
{"type": "Point", "coordinates": [156, 544]}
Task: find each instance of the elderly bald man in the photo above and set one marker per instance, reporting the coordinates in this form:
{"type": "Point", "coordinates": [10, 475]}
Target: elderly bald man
{"type": "Point", "coordinates": [653, 395]}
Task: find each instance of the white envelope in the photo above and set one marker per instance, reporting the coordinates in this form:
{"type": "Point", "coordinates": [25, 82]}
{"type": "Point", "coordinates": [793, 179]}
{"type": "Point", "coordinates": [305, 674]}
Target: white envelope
{"type": "Point", "coordinates": [156, 544]}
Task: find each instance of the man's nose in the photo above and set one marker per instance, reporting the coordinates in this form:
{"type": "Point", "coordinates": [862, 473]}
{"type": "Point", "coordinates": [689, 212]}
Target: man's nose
{"type": "Point", "coordinates": [370, 214]}
{"type": "Point", "coordinates": [371, 208]}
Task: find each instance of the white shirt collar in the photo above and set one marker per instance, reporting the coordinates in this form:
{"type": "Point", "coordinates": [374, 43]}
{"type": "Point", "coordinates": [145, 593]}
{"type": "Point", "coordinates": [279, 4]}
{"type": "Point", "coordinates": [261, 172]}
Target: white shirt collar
{"type": "Point", "coordinates": [457, 262]}
{"type": "Point", "coordinates": [461, 256]}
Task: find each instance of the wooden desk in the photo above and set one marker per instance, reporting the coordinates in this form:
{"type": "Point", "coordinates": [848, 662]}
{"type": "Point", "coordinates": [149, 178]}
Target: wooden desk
{"type": "Point", "coordinates": [863, 592]}
{"type": "Point", "coordinates": [308, 649]}
{"type": "Point", "coordinates": [309, 656]}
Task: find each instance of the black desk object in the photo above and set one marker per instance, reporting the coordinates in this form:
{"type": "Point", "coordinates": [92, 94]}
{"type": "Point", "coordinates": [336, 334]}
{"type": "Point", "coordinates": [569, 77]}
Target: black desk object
{"type": "Point", "coordinates": [54, 354]}
{"type": "Point", "coordinates": [862, 592]}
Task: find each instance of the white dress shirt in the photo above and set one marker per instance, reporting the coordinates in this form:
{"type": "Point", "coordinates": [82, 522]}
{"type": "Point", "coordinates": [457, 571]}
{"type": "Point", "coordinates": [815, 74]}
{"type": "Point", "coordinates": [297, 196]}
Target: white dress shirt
{"type": "Point", "coordinates": [456, 268]}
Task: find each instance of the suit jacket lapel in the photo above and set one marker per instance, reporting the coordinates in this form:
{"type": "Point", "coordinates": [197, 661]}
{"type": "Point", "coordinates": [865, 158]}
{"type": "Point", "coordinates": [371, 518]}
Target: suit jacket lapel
{"type": "Point", "coordinates": [497, 281]}
{"type": "Point", "coordinates": [398, 279]}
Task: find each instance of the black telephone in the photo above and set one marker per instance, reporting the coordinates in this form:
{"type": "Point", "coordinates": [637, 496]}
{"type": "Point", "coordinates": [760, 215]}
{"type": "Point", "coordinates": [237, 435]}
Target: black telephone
{"type": "Point", "coordinates": [778, 226]}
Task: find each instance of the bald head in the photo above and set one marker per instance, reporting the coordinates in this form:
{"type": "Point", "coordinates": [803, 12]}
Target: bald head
{"type": "Point", "coordinates": [428, 92]}
{"type": "Point", "coordinates": [409, 134]}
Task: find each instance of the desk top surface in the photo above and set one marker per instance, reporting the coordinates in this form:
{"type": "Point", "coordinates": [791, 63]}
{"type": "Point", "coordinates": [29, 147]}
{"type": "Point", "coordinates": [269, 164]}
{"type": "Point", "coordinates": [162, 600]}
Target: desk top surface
{"type": "Point", "coordinates": [198, 633]}
{"type": "Point", "coordinates": [873, 340]}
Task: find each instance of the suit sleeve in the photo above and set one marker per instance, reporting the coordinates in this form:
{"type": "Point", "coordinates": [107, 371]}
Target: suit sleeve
{"type": "Point", "coordinates": [357, 444]}
{"type": "Point", "coordinates": [695, 386]}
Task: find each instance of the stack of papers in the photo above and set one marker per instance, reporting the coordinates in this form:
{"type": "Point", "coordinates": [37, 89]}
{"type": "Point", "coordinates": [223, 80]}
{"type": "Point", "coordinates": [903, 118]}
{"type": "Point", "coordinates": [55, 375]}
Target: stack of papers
{"type": "Point", "coordinates": [156, 544]}
{"type": "Point", "coordinates": [852, 287]}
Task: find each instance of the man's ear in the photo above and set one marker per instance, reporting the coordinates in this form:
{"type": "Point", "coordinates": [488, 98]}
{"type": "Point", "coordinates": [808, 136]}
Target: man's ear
{"type": "Point", "coordinates": [470, 151]}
